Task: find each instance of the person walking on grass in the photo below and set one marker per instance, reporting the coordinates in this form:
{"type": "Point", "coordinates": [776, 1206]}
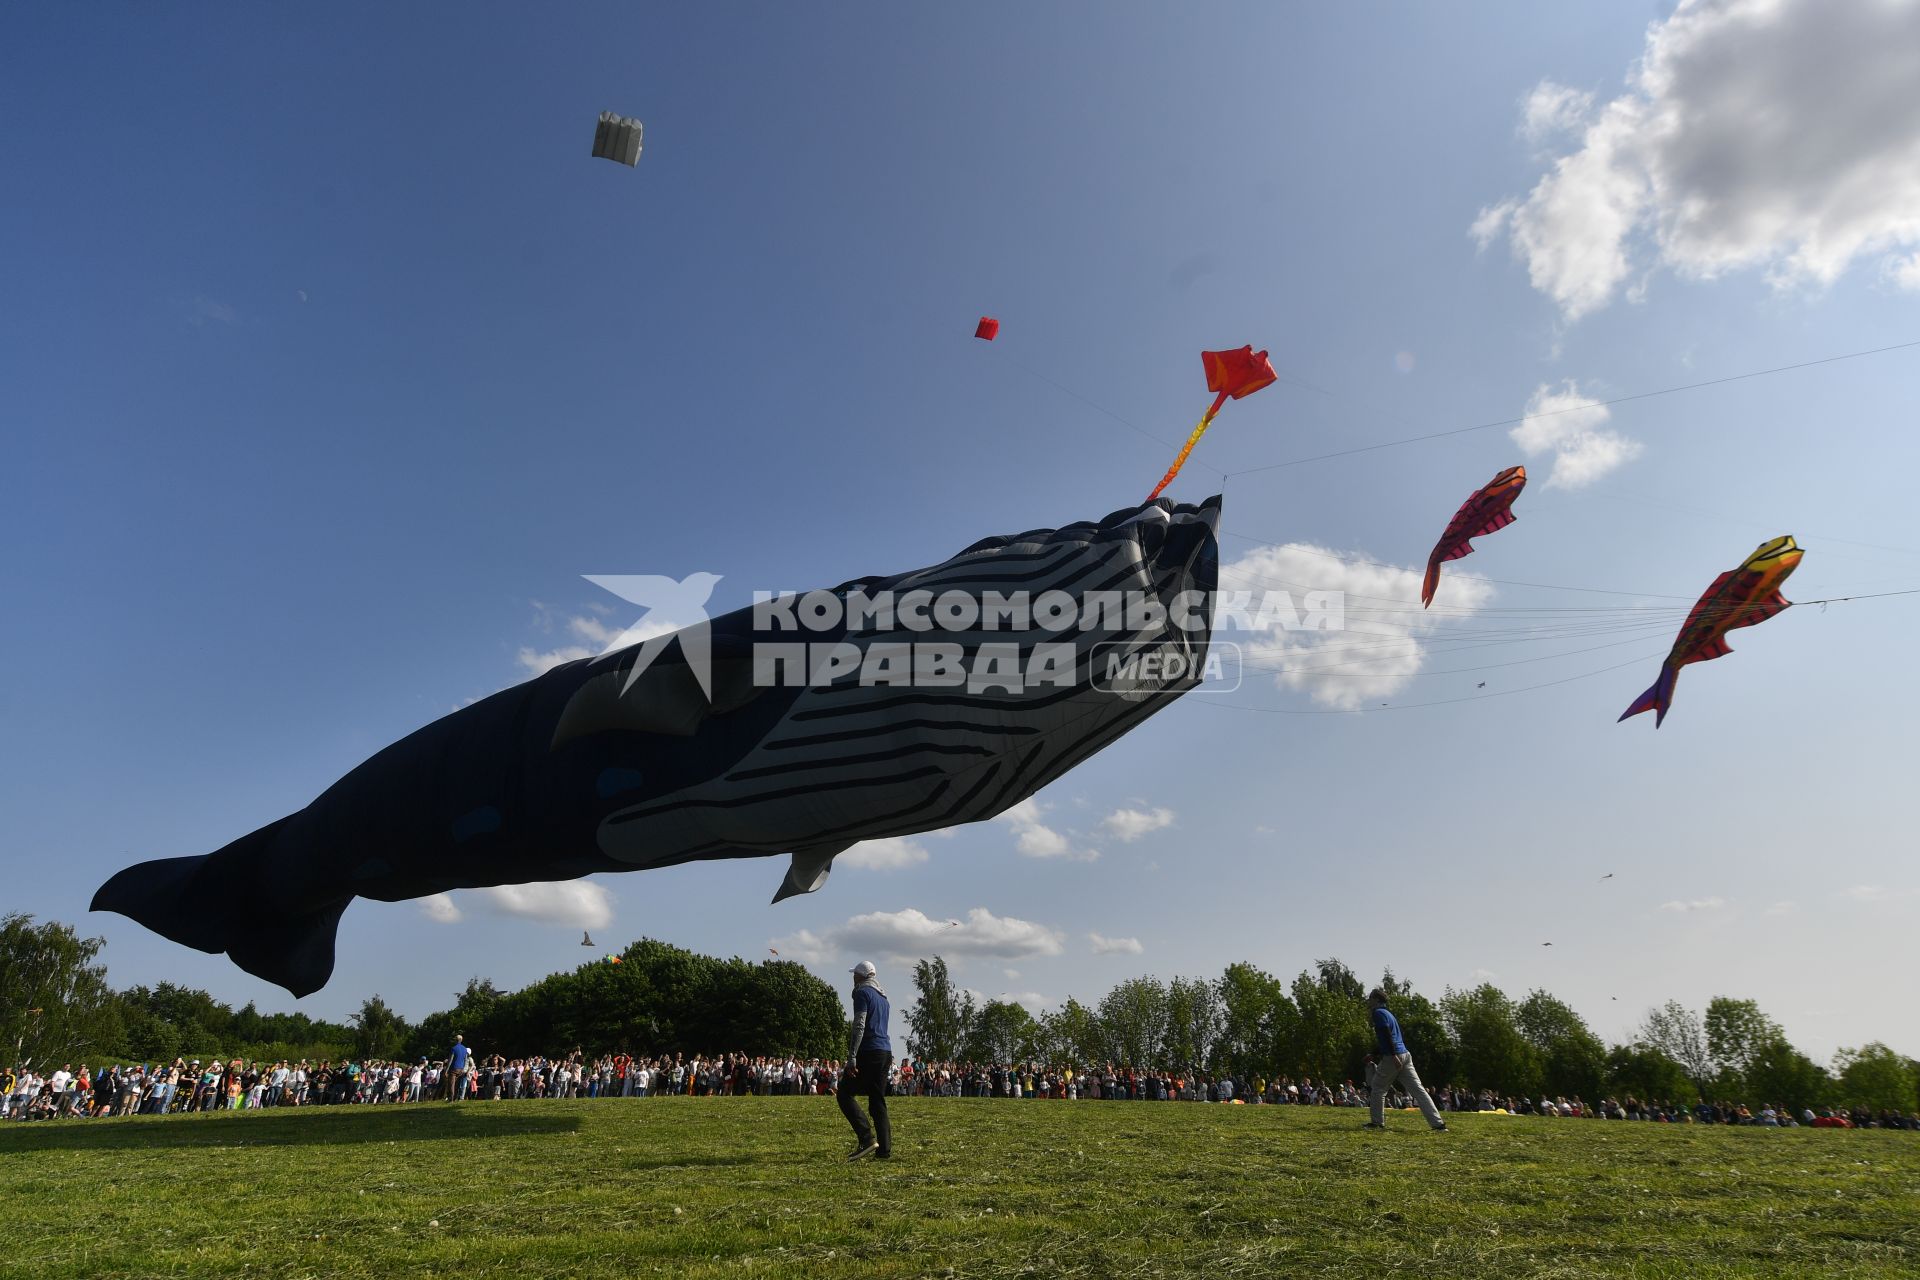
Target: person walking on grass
{"type": "Point", "coordinates": [1391, 1062]}
{"type": "Point", "coordinates": [869, 1059]}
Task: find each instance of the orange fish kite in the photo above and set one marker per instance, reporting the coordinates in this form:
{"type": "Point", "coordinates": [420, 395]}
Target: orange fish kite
{"type": "Point", "coordinates": [1484, 511]}
{"type": "Point", "coordinates": [1230, 374]}
{"type": "Point", "coordinates": [1739, 598]}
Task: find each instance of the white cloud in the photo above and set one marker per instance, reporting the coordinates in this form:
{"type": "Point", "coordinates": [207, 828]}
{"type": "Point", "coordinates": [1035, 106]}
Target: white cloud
{"type": "Point", "coordinates": [1694, 904]}
{"type": "Point", "coordinates": [1380, 648]}
{"type": "Point", "coordinates": [1479, 976]}
{"type": "Point", "coordinates": [1128, 825]}
{"type": "Point", "coordinates": [1774, 134]}
{"type": "Point", "coordinates": [201, 311]}
{"type": "Point", "coordinates": [889, 854]}
{"type": "Point", "coordinates": [1782, 908]}
{"type": "Point", "coordinates": [1491, 222]}
{"type": "Point", "coordinates": [1905, 272]}
{"type": "Point", "coordinates": [598, 636]}
{"type": "Point", "coordinates": [440, 908]}
{"type": "Point", "coordinates": [912, 934]}
{"type": "Point", "coordinates": [1866, 893]}
{"type": "Point", "coordinates": [1012, 975]}
{"type": "Point", "coordinates": [300, 294]}
{"type": "Point", "coordinates": [1553, 109]}
{"type": "Point", "coordinates": [1105, 946]}
{"type": "Point", "coordinates": [1570, 427]}
{"type": "Point", "coordinates": [577, 903]}
{"type": "Point", "coordinates": [1035, 839]}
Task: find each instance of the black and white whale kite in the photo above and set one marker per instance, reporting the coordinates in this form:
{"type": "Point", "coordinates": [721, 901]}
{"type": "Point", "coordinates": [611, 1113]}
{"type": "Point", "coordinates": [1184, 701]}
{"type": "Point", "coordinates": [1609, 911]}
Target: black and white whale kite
{"type": "Point", "coordinates": [885, 707]}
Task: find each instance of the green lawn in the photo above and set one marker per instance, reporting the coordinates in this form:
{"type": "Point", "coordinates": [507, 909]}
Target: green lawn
{"type": "Point", "coordinates": [742, 1187]}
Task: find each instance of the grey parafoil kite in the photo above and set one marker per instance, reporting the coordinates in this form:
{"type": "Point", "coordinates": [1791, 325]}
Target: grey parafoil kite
{"type": "Point", "coordinates": [617, 138]}
{"type": "Point", "coordinates": [883, 707]}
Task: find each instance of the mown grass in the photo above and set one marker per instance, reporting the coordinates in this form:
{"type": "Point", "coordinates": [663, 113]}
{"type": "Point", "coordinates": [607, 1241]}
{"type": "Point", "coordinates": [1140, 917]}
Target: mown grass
{"type": "Point", "coordinates": [745, 1187]}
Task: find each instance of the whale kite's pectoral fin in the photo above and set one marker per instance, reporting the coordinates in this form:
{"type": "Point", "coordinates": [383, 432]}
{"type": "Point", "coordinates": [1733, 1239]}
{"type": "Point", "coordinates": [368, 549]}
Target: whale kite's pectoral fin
{"type": "Point", "coordinates": [665, 699]}
{"type": "Point", "coordinates": [810, 869]}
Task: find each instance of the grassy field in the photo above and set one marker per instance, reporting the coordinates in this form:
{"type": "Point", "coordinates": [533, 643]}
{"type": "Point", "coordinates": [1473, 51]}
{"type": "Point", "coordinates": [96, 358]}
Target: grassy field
{"type": "Point", "coordinates": [744, 1187]}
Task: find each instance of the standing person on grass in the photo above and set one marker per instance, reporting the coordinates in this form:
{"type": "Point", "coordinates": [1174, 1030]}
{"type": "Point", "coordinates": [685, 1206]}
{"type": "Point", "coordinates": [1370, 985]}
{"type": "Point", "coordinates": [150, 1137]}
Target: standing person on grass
{"type": "Point", "coordinates": [1391, 1062]}
{"type": "Point", "coordinates": [869, 1058]}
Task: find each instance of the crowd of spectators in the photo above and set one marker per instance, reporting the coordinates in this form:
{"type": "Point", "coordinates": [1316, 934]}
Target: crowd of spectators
{"type": "Point", "coordinates": [194, 1085]}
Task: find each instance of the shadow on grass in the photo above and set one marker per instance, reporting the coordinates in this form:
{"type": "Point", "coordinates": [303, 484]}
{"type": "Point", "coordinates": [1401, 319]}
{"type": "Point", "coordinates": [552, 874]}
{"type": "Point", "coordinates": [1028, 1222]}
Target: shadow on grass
{"type": "Point", "coordinates": [312, 1127]}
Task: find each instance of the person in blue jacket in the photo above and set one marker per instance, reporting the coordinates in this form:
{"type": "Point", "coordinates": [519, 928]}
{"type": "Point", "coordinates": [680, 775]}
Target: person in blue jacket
{"type": "Point", "coordinates": [1391, 1062]}
{"type": "Point", "coordinates": [869, 1060]}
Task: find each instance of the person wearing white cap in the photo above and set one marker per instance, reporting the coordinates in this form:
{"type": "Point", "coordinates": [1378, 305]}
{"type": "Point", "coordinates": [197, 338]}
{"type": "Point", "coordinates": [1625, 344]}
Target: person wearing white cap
{"type": "Point", "coordinates": [869, 1059]}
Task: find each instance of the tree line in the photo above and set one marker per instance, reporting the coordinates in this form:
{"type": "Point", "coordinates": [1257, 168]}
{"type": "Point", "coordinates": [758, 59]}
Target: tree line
{"type": "Point", "coordinates": [1251, 1025]}
{"type": "Point", "coordinates": [56, 1004]}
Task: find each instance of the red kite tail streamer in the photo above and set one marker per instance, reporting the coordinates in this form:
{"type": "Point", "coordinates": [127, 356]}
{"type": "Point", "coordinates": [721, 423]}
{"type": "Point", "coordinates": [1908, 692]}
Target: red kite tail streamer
{"type": "Point", "coordinates": [1187, 448]}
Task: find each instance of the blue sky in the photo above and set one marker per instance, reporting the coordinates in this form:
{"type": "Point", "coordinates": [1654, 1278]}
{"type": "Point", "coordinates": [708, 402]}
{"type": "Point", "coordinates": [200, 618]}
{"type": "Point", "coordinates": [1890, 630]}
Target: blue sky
{"type": "Point", "coordinates": [330, 361]}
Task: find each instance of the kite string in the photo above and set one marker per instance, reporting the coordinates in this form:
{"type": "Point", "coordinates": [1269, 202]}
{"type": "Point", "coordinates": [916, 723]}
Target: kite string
{"type": "Point", "coordinates": [1587, 405]}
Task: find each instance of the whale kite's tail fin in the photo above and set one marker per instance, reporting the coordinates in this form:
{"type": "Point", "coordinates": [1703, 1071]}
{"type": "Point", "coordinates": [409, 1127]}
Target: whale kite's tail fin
{"type": "Point", "coordinates": [208, 902]}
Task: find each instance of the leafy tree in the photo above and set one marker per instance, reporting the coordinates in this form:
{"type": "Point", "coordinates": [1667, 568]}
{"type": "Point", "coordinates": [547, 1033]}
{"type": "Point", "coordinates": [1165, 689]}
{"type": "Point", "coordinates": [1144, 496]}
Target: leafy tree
{"type": "Point", "coordinates": [1737, 1034]}
{"type": "Point", "coordinates": [1676, 1031]}
{"type": "Point", "coordinates": [1422, 1027]}
{"type": "Point", "coordinates": [1572, 1059]}
{"type": "Point", "coordinates": [1001, 1032]}
{"type": "Point", "coordinates": [937, 1023]}
{"type": "Point", "coordinates": [1491, 1051]}
{"type": "Point", "coordinates": [1779, 1073]}
{"type": "Point", "coordinates": [1639, 1070]}
{"type": "Point", "coordinates": [1193, 1022]}
{"type": "Point", "coordinates": [1134, 1017]}
{"type": "Point", "coordinates": [1072, 1033]}
{"type": "Point", "coordinates": [55, 1004]}
{"type": "Point", "coordinates": [1339, 979]}
{"type": "Point", "coordinates": [1876, 1077]}
{"type": "Point", "coordinates": [1331, 1035]}
{"type": "Point", "coordinates": [1256, 1019]}
{"type": "Point", "coordinates": [379, 1032]}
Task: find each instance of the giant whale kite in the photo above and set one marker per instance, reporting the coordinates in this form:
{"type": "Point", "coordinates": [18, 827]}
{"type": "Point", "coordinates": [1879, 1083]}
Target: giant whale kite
{"type": "Point", "coordinates": [668, 752]}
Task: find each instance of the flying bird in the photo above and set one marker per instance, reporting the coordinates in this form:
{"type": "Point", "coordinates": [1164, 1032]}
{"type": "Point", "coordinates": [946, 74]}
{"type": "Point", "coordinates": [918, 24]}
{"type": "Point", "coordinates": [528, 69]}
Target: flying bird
{"type": "Point", "coordinates": [1607, 876]}
{"type": "Point", "coordinates": [1486, 509]}
{"type": "Point", "coordinates": [586, 939]}
{"type": "Point", "coordinates": [1481, 685]}
{"type": "Point", "coordinates": [773, 950]}
{"type": "Point", "coordinates": [754, 739]}
{"type": "Point", "coordinates": [1546, 944]}
{"type": "Point", "coordinates": [1230, 375]}
{"type": "Point", "coordinates": [1741, 597]}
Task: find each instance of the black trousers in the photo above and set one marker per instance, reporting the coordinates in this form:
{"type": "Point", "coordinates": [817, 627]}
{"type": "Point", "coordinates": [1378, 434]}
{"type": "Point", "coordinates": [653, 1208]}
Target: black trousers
{"type": "Point", "coordinates": [872, 1081]}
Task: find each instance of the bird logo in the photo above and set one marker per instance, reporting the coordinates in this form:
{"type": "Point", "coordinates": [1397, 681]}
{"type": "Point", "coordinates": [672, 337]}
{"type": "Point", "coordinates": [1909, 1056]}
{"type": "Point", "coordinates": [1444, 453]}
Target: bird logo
{"type": "Point", "coordinates": [674, 607]}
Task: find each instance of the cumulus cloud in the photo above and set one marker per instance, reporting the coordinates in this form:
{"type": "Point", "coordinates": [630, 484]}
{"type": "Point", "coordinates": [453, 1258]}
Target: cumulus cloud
{"type": "Point", "coordinates": [889, 854]}
{"type": "Point", "coordinates": [1693, 904]}
{"type": "Point", "coordinates": [1551, 110]}
{"type": "Point", "coordinates": [1105, 946]}
{"type": "Point", "coordinates": [1781, 135]}
{"type": "Point", "coordinates": [1035, 839]}
{"type": "Point", "coordinates": [1571, 429]}
{"type": "Point", "coordinates": [440, 908]}
{"type": "Point", "coordinates": [576, 903]}
{"type": "Point", "coordinates": [596, 637]}
{"type": "Point", "coordinates": [912, 934]}
{"type": "Point", "coordinates": [1128, 825]}
{"type": "Point", "coordinates": [1380, 642]}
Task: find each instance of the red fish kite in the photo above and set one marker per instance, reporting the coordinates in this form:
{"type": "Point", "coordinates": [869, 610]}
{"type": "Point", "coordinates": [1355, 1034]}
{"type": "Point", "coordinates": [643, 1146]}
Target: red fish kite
{"type": "Point", "coordinates": [1484, 511]}
{"type": "Point", "coordinates": [1230, 375]}
{"type": "Point", "coordinates": [988, 328]}
{"type": "Point", "coordinates": [1739, 598]}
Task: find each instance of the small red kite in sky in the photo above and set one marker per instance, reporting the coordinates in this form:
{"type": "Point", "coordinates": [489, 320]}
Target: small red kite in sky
{"type": "Point", "coordinates": [1230, 375]}
{"type": "Point", "coordinates": [988, 328]}
{"type": "Point", "coordinates": [1484, 511]}
{"type": "Point", "coordinates": [1738, 598]}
